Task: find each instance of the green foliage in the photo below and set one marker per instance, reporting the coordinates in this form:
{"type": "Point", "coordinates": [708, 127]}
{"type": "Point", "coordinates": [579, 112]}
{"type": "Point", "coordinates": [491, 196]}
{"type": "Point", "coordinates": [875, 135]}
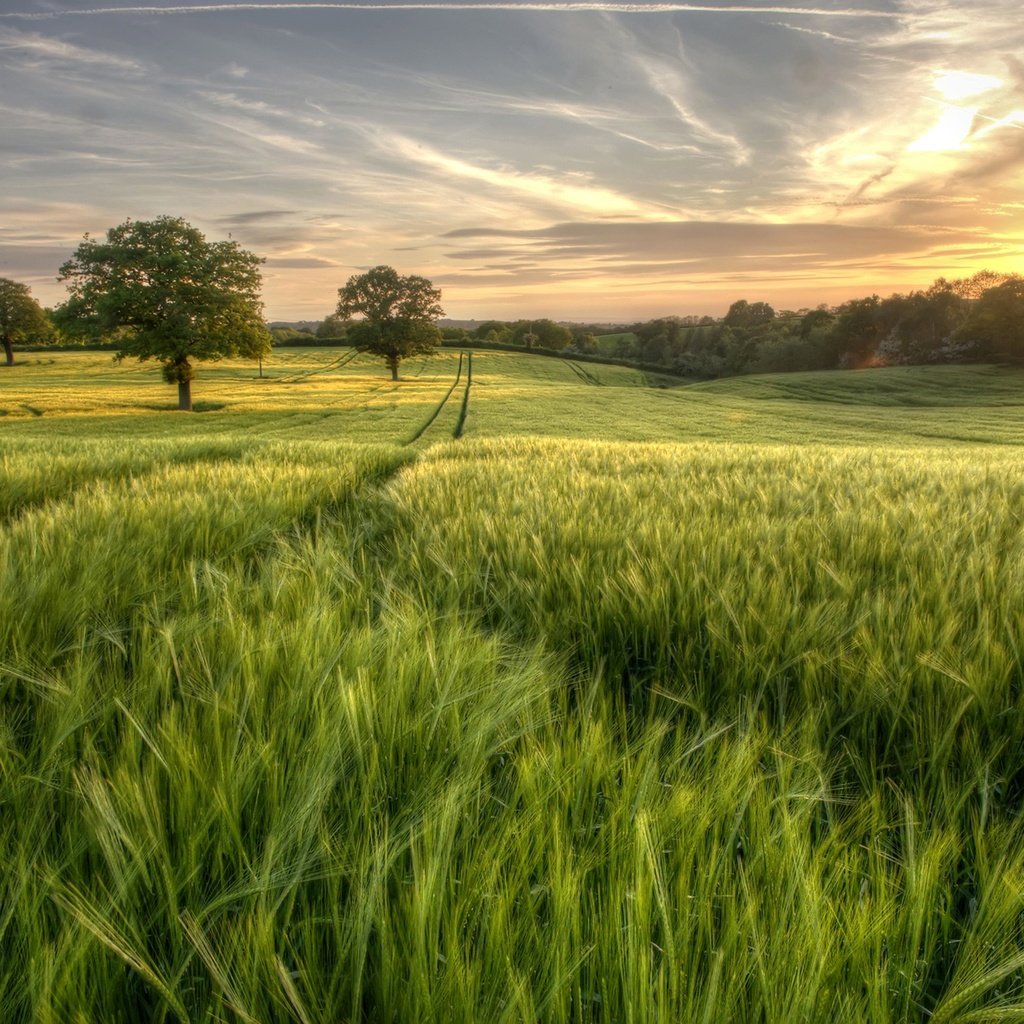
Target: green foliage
{"type": "Point", "coordinates": [748, 314]}
{"type": "Point", "coordinates": [332, 326]}
{"type": "Point", "coordinates": [919, 327]}
{"type": "Point", "coordinates": [621, 345]}
{"type": "Point", "coordinates": [398, 314]}
{"type": "Point", "coordinates": [172, 295]}
{"type": "Point", "coordinates": [541, 333]}
{"type": "Point", "coordinates": [21, 318]}
{"type": "Point", "coordinates": [290, 335]}
{"type": "Point", "coordinates": [584, 341]}
{"type": "Point", "coordinates": [493, 330]}
{"type": "Point", "coordinates": [995, 324]}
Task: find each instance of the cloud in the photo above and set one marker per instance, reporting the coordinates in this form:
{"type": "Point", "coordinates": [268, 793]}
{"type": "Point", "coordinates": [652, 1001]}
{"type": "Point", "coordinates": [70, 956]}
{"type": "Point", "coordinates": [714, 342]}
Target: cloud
{"type": "Point", "coordinates": [819, 32]}
{"type": "Point", "coordinates": [36, 265]}
{"type": "Point", "coordinates": [263, 137]}
{"type": "Point", "coordinates": [470, 5]}
{"type": "Point", "coordinates": [232, 101]}
{"type": "Point", "coordinates": [666, 249]}
{"type": "Point", "coordinates": [670, 142]}
{"type": "Point", "coordinates": [570, 193]}
{"type": "Point", "coordinates": [301, 262]}
{"type": "Point", "coordinates": [960, 85]}
{"type": "Point", "coordinates": [665, 76]}
{"type": "Point", "coordinates": [36, 50]}
{"type": "Point", "coordinates": [254, 217]}
{"type": "Point", "coordinates": [51, 221]}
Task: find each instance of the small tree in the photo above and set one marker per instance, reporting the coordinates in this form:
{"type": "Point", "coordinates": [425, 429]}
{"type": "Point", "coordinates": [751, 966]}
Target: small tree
{"type": "Point", "coordinates": [21, 317]}
{"type": "Point", "coordinates": [169, 294]}
{"type": "Point", "coordinates": [398, 314]}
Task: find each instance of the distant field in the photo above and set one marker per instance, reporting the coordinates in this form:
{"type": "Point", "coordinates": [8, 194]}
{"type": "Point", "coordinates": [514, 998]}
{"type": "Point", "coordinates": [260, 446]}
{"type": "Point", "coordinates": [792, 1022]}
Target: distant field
{"type": "Point", "coordinates": [337, 393]}
{"type": "Point", "coordinates": [520, 690]}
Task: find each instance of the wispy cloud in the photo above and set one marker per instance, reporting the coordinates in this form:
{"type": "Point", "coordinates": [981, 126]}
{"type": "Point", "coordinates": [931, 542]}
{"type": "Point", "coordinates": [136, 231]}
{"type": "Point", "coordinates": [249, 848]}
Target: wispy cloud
{"type": "Point", "coordinates": [569, 193]}
{"type": "Point", "coordinates": [38, 49]}
{"type": "Point", "coordinates": [233, 101]}
{"type": "Point", "coordinates": [470, 5]}
{"type": "Point", "coordinates": [712, 241]}
{"type": "Point", "coordinates": [256, 216]}
{"type": "Point", "coordinates": [819, 32]}
{"type": "Point", "coordinates": [667, 81]}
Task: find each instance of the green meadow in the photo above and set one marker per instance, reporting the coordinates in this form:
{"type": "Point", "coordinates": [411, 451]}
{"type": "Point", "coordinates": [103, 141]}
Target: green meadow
{"type": "Point", "coordinates": [518, 690]}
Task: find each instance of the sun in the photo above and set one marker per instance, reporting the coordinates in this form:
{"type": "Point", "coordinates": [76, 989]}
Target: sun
{"type": "Point", "coordinates": [948, 133]}
{"type": "Point", "coordinates": [962, 85]}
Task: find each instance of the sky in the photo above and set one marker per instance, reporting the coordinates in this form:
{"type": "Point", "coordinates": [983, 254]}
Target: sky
{"type": "Point", "coordinates": [580, 161]}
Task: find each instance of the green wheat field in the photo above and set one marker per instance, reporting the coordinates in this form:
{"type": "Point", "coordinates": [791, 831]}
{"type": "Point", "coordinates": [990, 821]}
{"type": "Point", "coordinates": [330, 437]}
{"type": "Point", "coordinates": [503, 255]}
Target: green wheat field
{"type": "Point", "coordinates": [521, 690]}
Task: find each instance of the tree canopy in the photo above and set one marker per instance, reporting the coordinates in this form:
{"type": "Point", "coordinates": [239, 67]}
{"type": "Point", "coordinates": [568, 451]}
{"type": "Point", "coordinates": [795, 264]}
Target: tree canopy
{"type": "Point", "coordinates": [748, 314]}
{"type": "Point", "coordinates": [21, 317]}
{"type": "Point", "coordinates": [397, 313]}
{"type": "Point", "coordinates": [332, 326]}
{"type": "Point", "coordinates": [169, 295]}
{"type": "Point", "coordinates": [543, 333]}
{"type": "Point", "coordinates": [995, 324]}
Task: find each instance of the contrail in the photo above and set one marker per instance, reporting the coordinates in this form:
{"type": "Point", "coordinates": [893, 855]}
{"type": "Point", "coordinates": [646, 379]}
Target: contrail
{"type": "Point", "coordinates": [474, 5]}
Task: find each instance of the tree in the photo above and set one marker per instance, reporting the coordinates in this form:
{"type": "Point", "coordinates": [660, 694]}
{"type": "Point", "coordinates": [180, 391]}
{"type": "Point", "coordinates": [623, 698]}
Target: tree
{"type": "Point", "coordinates": [858, 329]}
{"type": "Point", "coordinates": [995, 325]}
{"type": "Point", "coordinates": [543, 333]}
{"type": "Point", "coordinates": [748, 314]}
{"type": "Point", "coordinates": [332, 326]}
{"type": "Point", "coordinates": [398, 314]}
{"type": "Point", "coordinates": [500, 329]}
{"type": "Point", "coordinates": [584, 340]}
{"type": "Point", "coordinates": [21, 317]}
{"type": "Point", "coordinates": [167, 294]}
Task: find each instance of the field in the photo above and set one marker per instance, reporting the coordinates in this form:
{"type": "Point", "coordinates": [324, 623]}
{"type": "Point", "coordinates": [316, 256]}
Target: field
{"type": "Point", "coordinates": [519, 690]}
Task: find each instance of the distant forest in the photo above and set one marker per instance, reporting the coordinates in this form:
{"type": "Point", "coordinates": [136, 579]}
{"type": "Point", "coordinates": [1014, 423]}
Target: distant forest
{"type": "Point", "coordinates": [977, 319]}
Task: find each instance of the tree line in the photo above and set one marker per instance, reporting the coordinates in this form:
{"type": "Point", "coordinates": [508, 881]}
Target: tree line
{"type": "Point", "coordinates": [973, 319]}
{"type": "Point", "coordinates": [977, 319]}
{"type": "Point", "coordinates": [159, 290]}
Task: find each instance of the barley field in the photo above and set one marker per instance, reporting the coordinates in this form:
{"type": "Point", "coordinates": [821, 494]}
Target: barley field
{"type": "Point", "coordinates": [516, 691]}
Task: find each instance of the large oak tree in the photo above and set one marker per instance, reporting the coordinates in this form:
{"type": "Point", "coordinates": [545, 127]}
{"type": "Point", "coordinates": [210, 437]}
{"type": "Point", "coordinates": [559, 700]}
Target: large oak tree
{"type": "Point", "coordinates": [21, 317]}
{"type": "Point", "coordinates": [164, 292]}
{"type": "Point", "coordinates": [397, 313]}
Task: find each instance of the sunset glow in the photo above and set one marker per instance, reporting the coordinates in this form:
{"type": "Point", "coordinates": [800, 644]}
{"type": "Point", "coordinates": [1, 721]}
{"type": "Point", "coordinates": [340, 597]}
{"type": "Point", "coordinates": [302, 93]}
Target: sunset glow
{"type": "Point", "coordinates": [602, 161]}
{"type": "Point", "coordinates": [949, 132]}
{"type": "Point", "coordinates": [962, 85]}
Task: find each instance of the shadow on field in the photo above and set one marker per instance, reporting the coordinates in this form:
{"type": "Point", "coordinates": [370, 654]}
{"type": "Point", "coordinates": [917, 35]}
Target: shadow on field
{"type": "Point", "coordinates": [173, 406]}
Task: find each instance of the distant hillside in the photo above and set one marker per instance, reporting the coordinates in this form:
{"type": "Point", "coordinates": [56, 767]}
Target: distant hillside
{"type": "Point", "coordinates": [296, 325]}
{"type": "Point", "coordinates": [594, 326]}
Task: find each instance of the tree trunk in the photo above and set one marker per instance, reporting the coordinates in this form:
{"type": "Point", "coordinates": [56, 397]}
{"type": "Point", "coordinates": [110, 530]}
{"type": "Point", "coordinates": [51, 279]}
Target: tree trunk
{"type": "Point", "coordinates": [393, 363]}
{"type": "Point", "coordinates": [185, 395]}
{"type": "Point", "coordinates": [8, 351]}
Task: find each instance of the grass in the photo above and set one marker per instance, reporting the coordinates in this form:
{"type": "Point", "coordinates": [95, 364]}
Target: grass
{"type": "Point", "coordinates": [321, 714]}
